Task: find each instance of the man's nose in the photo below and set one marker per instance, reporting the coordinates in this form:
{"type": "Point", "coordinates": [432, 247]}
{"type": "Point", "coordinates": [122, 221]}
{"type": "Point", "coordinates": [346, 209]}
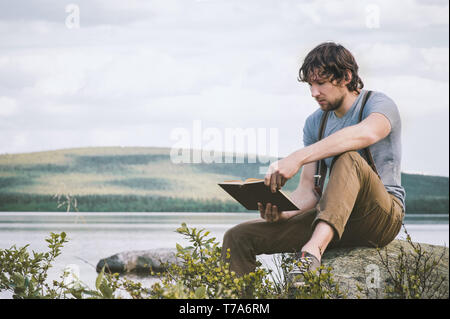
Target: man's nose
{"type": "Point", "coordinates": [314, 91]}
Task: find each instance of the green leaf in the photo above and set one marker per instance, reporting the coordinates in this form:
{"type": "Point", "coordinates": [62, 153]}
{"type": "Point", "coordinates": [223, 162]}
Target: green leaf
{"type": "Point", "coordinates": [106, 290]}
{"type": "Point", "coordinates": [99, 279]}
{"type": "Point", "coordinates": [200, 292]}
{"type": "Point", "coordinates": [76, 293]}
{"type": "Point", "coordinates": [18, 279]}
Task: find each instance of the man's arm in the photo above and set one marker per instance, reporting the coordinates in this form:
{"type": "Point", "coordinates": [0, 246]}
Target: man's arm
{"type": "Point", "coordinates": [369, 131]}
{"type": "Point", "coordinates": [303, 197]}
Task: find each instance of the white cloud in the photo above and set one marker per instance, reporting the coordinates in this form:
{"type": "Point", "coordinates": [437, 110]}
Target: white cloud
{"type": "Point", "coordinates": [415, 96]}
{"type": "Point", "coordinates": [417, 13]}
{"type": "Point", "coordinates": [134, 71]}
{"type": "Point", "coordinates": [436, 62]}
{"type": "Point", "coordinates": [8, 106]}
{"type": "Point", "coordinates": [388, 59]}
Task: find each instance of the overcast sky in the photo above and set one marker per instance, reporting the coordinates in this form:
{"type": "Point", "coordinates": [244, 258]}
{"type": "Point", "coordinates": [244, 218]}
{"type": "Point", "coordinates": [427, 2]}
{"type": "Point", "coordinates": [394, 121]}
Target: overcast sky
{"type": "Point", "coordinates": [130, 73]}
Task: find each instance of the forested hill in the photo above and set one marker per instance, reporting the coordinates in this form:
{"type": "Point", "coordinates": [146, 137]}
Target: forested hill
{"type": "Point", "coordinates": [145, 179]}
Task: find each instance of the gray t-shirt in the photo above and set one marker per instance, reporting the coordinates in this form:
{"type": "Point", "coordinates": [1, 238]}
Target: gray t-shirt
{"type": "Point", "coordinates": [386, 153]}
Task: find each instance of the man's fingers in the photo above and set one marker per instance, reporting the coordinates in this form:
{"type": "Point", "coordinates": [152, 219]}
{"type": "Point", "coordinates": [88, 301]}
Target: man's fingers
{"type": "Point", "coordinates": [275, 213]}
{"type": "Point", "coordinates": [268, 212]}
{"type": "Point", "coordinates": [261, 210]}
{"type": "Point", "coordinates": [268, 176]}
{"type": "Point", "coordinates": [279, 181]}
{"type": "Point", "coordinates": [270, 171]}
{"type": "Point", "coordinates": [273, 183]}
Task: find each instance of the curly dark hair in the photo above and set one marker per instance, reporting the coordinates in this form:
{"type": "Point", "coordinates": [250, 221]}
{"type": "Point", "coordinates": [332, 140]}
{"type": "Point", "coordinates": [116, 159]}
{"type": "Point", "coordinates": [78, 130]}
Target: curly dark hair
{"type": "Point", "coordinates": [331, 61]}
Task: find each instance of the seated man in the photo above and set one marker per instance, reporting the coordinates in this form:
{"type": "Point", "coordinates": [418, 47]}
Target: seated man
{"type": "Point", "coordinates": [363, 203]}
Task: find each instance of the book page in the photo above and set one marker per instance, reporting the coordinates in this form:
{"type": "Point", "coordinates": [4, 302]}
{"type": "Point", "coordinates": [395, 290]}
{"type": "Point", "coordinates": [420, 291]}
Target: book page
{"type": "Point", "coordinates": [252, 180]}
{"type": "Point", "coordinates": [233, 182]}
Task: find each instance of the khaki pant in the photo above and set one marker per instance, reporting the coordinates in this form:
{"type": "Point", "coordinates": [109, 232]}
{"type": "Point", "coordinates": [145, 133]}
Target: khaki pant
{"type": "Point", "coordinates": [355, 203]}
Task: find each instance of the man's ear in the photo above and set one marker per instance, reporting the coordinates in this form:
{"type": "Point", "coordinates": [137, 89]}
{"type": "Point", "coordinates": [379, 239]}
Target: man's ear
{"type": "Point", "coordinates": [347, 77]}
{"type": "Point", "coordinates": [345, 80]}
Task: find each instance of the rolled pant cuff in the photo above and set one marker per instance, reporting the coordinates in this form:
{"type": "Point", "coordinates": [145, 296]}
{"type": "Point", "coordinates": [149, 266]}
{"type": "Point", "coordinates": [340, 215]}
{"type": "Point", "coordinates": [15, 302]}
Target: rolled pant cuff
{"type": "Point", "coordinates": [337, 230]}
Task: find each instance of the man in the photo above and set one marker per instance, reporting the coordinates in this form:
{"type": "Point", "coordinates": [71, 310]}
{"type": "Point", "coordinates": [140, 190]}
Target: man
{"type": "Point", "coordinates": [361, 205]}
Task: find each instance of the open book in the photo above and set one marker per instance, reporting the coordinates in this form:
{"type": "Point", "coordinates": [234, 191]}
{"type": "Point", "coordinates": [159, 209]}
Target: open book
{"type": "Point", "coordinates": [252, 190]}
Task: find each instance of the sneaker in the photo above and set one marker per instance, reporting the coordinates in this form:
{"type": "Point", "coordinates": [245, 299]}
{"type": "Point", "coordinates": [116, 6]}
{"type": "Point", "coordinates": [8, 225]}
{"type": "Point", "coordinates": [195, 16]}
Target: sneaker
{"type": "Point", "coordinates": [304, 262]}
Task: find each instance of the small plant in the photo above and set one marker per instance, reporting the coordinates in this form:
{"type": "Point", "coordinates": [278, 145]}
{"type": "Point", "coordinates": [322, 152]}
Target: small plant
{"type": "Point", "coordinates": [415, 275]}
{"type": "Point", "coordinates": [66, 200]}
{"type": "Point", "coordinates": [204, 274]}
{"type": "Point", "coordinates": [318, 284]}
{"type": "Point", "coordinates": [25, 275]}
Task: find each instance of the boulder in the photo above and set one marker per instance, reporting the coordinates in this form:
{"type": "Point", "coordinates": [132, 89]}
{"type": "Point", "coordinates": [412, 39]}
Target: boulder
{"type": "Point", "coordinates": [138, 261]}
{"type": "Point", "coordinates": [363, 267]}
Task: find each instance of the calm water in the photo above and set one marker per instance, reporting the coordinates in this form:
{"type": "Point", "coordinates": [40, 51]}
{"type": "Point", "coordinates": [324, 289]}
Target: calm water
{"type": "Point", "coordinates": [93, 236]}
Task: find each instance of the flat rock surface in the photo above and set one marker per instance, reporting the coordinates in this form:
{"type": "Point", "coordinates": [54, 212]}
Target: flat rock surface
{"type": "Point", "coordinates": [364, 267]}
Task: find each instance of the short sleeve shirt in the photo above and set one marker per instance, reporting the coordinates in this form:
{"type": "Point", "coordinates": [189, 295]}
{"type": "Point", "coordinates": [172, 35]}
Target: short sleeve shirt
{"type": "Point", "coordinates": [386, 153]}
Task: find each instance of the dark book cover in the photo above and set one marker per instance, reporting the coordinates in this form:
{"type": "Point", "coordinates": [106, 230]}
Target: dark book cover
{"type": "Point", "coordinates": [252, 191]}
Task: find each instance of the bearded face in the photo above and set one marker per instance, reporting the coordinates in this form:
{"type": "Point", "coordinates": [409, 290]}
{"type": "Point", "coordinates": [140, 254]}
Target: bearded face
{"type": "Point", "coordinates": [331, 103]}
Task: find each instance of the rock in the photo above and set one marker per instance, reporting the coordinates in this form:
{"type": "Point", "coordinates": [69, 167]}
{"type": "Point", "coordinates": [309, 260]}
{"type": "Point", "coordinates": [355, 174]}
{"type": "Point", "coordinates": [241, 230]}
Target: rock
{"type": "Point", "coordinates": [358, 266]}
{"type": "Point", "coordinates": [138, 261]}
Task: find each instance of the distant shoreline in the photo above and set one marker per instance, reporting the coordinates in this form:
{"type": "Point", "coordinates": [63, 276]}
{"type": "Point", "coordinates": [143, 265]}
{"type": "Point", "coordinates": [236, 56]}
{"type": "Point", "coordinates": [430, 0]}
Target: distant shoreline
{"type": "Point", "coordinates": [118, 179]}
{"type": "Point", "coordinates": [17, 202]}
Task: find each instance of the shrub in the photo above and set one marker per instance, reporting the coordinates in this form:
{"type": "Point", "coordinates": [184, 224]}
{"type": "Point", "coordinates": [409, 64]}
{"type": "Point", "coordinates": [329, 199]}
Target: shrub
{"type": "Point", "coordinates": [26, 275]}
{"type": "Point", "coordinates": [203, 273]}
{"type": "Point", "coordinates": [415, 275]}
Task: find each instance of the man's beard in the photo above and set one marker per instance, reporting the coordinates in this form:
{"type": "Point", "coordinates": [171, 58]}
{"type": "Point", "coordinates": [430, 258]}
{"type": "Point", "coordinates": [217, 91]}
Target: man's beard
{"type": "Point", "coordinates": [331, 106]}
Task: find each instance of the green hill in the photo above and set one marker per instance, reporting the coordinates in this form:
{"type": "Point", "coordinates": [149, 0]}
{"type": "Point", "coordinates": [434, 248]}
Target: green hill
{"type": "Point", "coordinates": [145, 179]}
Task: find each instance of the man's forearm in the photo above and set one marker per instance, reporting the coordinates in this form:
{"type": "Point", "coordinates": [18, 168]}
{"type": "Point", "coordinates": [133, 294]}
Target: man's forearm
{"type": "Point", "coordinates": [347, 139]}
{"type": "Point", "coordinates": [305, 199]}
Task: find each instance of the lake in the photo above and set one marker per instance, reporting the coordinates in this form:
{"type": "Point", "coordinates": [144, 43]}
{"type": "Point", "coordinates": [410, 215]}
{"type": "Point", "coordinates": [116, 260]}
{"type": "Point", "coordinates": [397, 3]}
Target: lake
{"type": "Point", "coordinates": [93, 236]}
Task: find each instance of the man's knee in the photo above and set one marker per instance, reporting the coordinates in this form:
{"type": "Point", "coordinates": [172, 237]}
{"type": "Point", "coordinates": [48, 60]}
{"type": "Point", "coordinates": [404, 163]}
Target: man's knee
{"type": "Point", "coordinates": [234, 234]}
{"type": "Point", "coordinates": [227, 243]}
{"type": "Point", "coordinates": [236, 242]}
{"type": "Point", "coordinates": [228, 236]}
{"type": "Point", "coordinates": [350, 155]}
{"type": "Point", "coordinates": [346, 157]}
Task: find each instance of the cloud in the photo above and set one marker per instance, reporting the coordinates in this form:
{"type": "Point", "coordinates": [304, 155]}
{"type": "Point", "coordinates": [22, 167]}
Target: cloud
{"type": "Point", "coordinates": [386, 60]}
{"type": "Point", "coordinates": [92, 12]}
{"type": "Point", "coordinates": [136, 70]}
{"type": "Point", "coordinates": [8, 106]}
{"type": "Point", "coordinates": [415, 96]}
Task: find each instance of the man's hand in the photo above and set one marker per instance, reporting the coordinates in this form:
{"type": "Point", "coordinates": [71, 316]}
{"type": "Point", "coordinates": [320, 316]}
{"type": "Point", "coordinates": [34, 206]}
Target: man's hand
{"type": "Point", "coordinates": [271, 213]}
{"type": "Point", "coordinates": [280, 171]}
